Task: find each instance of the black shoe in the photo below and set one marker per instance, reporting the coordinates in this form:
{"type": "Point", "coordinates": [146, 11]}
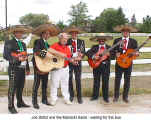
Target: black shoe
{"type": "Point", "coordinates": [45, 102]}
{"type": "Point", "coordinates": [106, 100]}
{"type": "Point", "coordinates": [93, 98]}
{"type": "Point", "coordinates": [115, 100]}
{"type": "Point", "coordinates": [20, 105]}
{"type": "Point", "coordinates": [80, 101]}
{"type": "Point", "coordinates": [71, 99]}
{"type": "Point", "coordinates": [12, 110]}
{"type": "Point", "coordinates": [36, 106]}
{"type": "Point", "coordinates": [126, 100]}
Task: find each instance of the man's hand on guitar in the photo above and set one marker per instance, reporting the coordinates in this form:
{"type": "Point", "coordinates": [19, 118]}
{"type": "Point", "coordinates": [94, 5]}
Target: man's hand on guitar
{"type": "Point", "coordinates": [74, 61]}
{"type": "Point", "coordinates": [137, 53]}
{"type": "Point", "coordinates": [80, 55]}
{"type": "Point", "coordinates": [96, 57]}
{"type": "Point", "coordinates": [118, 54]}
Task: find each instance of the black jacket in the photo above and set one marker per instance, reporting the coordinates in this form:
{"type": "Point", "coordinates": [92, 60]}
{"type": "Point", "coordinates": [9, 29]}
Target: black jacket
{"type": "Point", "coordinates": [132, 44]}
{"type": "Point", "coordinates": [39, 45]}
{"type": "Point", "coordinates": [80, 45]}
{"type": "Point", "coordinates": [12, 46]}
{"type": "Point", "coordinates": [95, 49]}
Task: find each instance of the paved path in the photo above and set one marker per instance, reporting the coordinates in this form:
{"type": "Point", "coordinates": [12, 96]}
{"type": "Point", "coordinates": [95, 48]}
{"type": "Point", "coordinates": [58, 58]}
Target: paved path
{"type": "Point", "coordinates": [138, 104]}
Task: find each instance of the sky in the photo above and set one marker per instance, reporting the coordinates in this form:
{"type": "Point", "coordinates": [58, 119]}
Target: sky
{"type": "Point", "coordinates": [59, 9]}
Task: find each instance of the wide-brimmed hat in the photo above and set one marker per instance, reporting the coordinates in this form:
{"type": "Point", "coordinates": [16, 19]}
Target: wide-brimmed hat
{"type": "Point", "coordinates": [19, 28]}
{"type": "Point", "coordinates": [73, 28]}
{"type": "Point", "coordinates": [101, 36]}
{"type": "Point", "coordinates": [54, 30]}
{"type": "Point", "coordinates": [126, 27]}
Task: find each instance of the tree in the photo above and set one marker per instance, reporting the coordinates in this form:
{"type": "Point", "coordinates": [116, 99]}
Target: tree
{"type": "Point", "coordinates": [146, 26]}
{"type": "Point", "coordinates": [34, 20]}
{"type": "Point", "coordinates": [133, 20]}
{"type": "Point", "coordinates": [108, 19]}
{"type": "Point", "coordinates": [78, 14]}
{"type": "Point", "coordinates": [61, 25]}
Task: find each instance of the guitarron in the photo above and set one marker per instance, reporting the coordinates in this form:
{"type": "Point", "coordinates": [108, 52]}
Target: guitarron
{"type": "Point", "coordinates": [53, 60]}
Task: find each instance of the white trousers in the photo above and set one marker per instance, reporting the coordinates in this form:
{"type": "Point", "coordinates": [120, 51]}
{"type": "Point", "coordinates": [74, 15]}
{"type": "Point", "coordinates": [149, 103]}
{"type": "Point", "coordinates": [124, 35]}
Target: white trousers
{"type": "Point", "coordinates": [60, 76]}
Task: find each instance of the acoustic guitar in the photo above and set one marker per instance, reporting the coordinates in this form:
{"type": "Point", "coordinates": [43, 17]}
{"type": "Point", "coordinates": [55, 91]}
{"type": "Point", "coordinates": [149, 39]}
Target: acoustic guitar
{"type": "Point", "coordinates": [103, 56]}
{"type": "Point", "coordinates": [53, 60]}
{"type": "Point", "coordinates": [125, 60]}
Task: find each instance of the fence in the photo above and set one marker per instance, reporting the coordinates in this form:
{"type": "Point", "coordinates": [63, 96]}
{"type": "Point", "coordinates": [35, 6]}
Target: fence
{"type": "Point", "coordinates": [4, 64]}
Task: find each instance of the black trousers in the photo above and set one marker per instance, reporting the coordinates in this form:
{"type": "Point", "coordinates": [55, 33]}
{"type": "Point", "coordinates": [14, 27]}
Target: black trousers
{"type": "Point", "coordinates": [77, 71]}
{"type": "Point", "coordinates": [118, 75]}
{"type": "Point", "coordinates": [16, 84]}
{"type": "Point", "coordinates": [36, 84]}
{"type": "Point", "coordinates": [102, 71]}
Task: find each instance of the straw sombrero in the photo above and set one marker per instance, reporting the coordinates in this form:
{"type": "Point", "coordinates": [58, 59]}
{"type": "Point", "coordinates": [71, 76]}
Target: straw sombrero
{"type": "Point", "coordinates": [54, 30]}
{"type": "Point", "coordinates": [101, 36]}
{"type": "Point", "coordinates": [19, 28]}
{"type": "Point", "coordinates": [73, 28]}
{"type": "Point", "coordinates": [128, 27]}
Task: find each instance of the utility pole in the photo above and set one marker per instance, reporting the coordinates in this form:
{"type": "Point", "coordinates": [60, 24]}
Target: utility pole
{"type": "Point", "coordinates": [6, 13]}
{"type": "Point", "coordinates": [6, 36]}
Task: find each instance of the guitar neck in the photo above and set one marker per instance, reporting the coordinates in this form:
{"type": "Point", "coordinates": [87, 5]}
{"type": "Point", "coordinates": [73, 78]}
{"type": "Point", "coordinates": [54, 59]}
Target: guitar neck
{"type": "Point", "coordinates": [108, 50]}
{"type": "Point", "coordinates": [145, 42]}
{"type": "Point", "coordinates": [55, 52]}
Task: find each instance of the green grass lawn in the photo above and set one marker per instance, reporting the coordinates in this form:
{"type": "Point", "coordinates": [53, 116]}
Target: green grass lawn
{"type": "Point", "coordinates": [89, 43]}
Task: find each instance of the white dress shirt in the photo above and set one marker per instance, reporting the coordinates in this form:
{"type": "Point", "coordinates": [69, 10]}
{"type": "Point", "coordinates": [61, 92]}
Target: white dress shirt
{"type": "Point", "coordinates": [75, 54]}
{"type": "Point", "coordinates": [123, 38]}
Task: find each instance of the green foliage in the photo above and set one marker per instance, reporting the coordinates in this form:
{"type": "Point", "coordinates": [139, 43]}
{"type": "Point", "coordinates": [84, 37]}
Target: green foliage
{"type": "Point", "coordinates": [78, 14]}
{"type": "Point", "coordinates": [34, 20]}
{"type": "Point", "coordinates": [108, 19]}
{"type": "Point", "coordinates": [1, 36]}
{"type": "Point", "coordinates": [146, 26]}
{"type": "Point", "coordinates": [61, 25]}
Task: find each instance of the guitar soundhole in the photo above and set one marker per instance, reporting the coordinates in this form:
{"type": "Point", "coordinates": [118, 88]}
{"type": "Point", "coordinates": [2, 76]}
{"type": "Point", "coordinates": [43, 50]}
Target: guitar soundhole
{"type": "Point", "coordinates": [54, 59]}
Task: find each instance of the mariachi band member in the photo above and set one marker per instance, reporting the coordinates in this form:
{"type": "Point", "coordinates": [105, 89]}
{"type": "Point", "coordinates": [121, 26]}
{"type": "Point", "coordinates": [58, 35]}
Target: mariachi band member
{"type": "Point", "coordinates": [40, 48]}
{"type": "Point", "coordinates": [103, 69]}
{"type": "Point", "coordinates": [18, 66]}
{"type": "Point", "coordinates": [128, 43]}
{"type": "Point", "coordinates": [78, 49]}
{"type": "Point", "coordinates": [61, 76]}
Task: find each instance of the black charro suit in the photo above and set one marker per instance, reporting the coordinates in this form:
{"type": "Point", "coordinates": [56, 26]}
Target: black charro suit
{"type": "Point", "coordinates": [132, 44]}
{"type": "Point", "coordinates": [77, 70]}
{"type": "Point", "coordinates": [16, 73]}
{"type": "Point", "coordinates": [102, 70]}
{"type": "Point", "coordinates": [39, 45]}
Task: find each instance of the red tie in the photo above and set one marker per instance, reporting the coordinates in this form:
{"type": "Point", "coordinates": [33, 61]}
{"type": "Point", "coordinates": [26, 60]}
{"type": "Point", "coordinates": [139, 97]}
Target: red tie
{"type": "Point", "coordinates": [124, 46]}
{"type": "Point", "coordinates": [74, 46]}
{"type": "Point", "coordinates": [102, 48]}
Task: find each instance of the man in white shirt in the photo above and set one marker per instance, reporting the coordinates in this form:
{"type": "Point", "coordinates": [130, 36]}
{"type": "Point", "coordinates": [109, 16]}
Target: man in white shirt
{"type": "Point", "coordinates": [128, 43]}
